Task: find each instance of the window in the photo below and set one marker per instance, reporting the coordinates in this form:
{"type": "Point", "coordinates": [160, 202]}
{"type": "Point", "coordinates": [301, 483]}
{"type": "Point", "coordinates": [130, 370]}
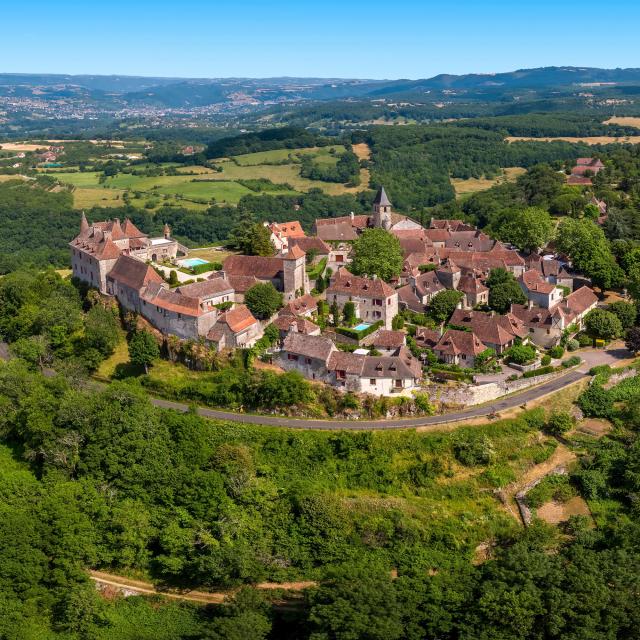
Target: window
{"type": "Point", "coordinates": [291, 356]}
{"type": "Point", "coordinates": [377, 303]}
{"type": "Point", "coordinates": [531, 330]}
{"type": "Point", "coordinates": [179, 316]}
{"type": "Point", "coordinates": [307, 360]}
{"type": "Point", "coordinates": [399, 384]}
{"type": "Point", "coordinates": [464, 356]}
{"type": "Point", "coordinates": [372, 382]}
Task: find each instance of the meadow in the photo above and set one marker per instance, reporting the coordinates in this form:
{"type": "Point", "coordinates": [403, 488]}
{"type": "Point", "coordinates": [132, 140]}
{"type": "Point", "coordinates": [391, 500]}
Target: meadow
{"type": "Point", "coordinates": [473, 185]}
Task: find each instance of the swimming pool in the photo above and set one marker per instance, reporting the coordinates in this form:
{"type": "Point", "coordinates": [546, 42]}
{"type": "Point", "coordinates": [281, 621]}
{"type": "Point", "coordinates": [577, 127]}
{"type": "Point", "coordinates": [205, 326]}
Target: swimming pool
{"type": "Point", "coordinates": [361, 326]}
{"type": "Point", "coordinates": [193, 262]}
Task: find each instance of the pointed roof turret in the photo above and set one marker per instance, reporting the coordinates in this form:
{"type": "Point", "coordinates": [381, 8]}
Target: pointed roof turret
{"type": "Point", "coordinates": [166, 231]}
{"type": "Point", "coordinates": [381, 198]}
{"type": "Point", "coordinates": [84, 225]}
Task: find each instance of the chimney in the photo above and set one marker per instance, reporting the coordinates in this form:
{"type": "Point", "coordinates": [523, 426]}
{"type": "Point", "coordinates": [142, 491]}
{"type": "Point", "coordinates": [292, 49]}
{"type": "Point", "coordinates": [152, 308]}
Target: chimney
{"type": "Point", "coordinates": [374, 276]}
{"type": "Point", "coordinates": [530, 304]}
{"type": "Point", "coordinates": [352, 216]}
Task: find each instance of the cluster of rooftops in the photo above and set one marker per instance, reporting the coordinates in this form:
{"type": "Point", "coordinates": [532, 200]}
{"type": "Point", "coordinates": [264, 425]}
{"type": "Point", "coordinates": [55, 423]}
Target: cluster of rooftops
{"type": "Point", "coordinates": [118, 258]}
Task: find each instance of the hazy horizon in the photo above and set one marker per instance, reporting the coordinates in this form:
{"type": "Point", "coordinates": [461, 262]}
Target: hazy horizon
{"type": "Point", "coordinates": [355, 40]}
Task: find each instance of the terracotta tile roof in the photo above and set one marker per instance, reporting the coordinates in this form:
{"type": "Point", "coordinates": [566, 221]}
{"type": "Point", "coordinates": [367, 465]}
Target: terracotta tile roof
{"type": "Point", "coordinates": [170, 300]}
{"type": "Point", "coordinates": [590, 162]}
{"type": "Point", "coordinates": [359, 221]}
{"type": "Point", "coordinates": [133, 273]}
{"type": "Point", "coordinates": [303, 304]}
{"type": "Point", "coordinates": [237, 319]}
{"type": "Point", "coordinates": [261, 267]}
{"type": "Point", "coordinates": [294, 253]}
{"type": "Point", "coordinates": [426, 337]}
{"type": "Point", "coordinates": [580, 300]}
{"type": "Point", "coordinates": [386, 338]}
{"type": "Point", "coordinates": [351, 363]}
{"type": "Point", "coordinates": [471, 284]}
{"type": "Point", "coordinates": [311, 243]}
{"type": "Point", "coordinates": [418, 245]}
{"type": "Point", "coordinates": [241, 284]}
{"type": "Point", "coordinates": [438, 235]}
{"type": "Point", "coordinates": [131, 231]}
{"type": "Point", "coordinates": [206, 289]}
{"type": "Point", "coordinates": [455, 342]}
{"type": "Point", "coordinates": [533, 281]}
{"type": "Point", "coordinates": [532, 317]}
{"type": "Point", "coordinates": [408, 298]}
{"type": "Point", "coordinates": [336, 232]}
{"type": "Point", "coordinates": [403, 366]}
{"type": "Point", "coordinates": [493, 329]}
{"type": "Point", "coordinates": [428, 283]}
{"type": "Point", "coordinates": [291, 229]}
{"type": "Point", "coordinates": [317, 347]}
{"type": "Point", "coordinates": [286, 320]}
{"type": "Point", "coordinates": [107, 250]}
{"type": "Point", "coordinates": [347, 283]}
{"type": "Point", "coordinates": [469, 241]}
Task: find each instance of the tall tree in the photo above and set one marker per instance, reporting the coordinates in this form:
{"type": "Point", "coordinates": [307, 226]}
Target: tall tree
{"type": "Point", "coordinates": [377, 252]}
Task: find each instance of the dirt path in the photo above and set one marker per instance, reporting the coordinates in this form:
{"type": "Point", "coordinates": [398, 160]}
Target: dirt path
{"type": "Point", "coordinates": [131, 586]}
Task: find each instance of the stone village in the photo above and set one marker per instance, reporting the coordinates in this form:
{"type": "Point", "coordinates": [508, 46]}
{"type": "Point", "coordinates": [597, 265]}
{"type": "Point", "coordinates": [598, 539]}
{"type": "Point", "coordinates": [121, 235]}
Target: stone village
{"type": "Point", "coordinates": [374, 356]}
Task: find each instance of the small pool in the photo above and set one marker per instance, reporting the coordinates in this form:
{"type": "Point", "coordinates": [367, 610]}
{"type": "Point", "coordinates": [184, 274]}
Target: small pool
{"type": "Point", "coordinates": [193, 262]}
{"type": "Point", "coordinates": [362, 326]}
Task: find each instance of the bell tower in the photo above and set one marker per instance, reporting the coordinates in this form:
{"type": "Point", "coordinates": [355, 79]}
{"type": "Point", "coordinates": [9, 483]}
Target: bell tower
{"type": "Point", "coordinates": [382, 210]}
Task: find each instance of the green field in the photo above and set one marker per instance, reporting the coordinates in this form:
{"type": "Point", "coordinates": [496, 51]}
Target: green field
{"type": "Point", "coordinates": [277, 156]}
{"type": "Point", "coordinates": [280, 166]}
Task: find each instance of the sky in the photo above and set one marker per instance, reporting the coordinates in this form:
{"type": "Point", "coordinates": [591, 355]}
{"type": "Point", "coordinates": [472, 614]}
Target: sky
{"type": "Point", "coordinates": [338, 39]}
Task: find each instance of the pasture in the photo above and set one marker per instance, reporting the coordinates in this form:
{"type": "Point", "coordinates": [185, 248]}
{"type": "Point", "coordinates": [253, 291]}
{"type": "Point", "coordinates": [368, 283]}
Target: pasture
{"type": "Point", "coordinates": [277, 156]}
{"type": "Point", "coordinates": [628, 121]}
{"type": "Point", "coordinates": [583, 139]}
{"type": "Point", "coordinates": [473, 185]}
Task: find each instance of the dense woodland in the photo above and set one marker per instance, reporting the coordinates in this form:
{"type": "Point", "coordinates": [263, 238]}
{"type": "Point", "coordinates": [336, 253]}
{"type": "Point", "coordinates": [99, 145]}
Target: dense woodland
{"type": "Point", "coordinates": [387, 523]}
{"type": "Point", "coordinates": [101, 479]}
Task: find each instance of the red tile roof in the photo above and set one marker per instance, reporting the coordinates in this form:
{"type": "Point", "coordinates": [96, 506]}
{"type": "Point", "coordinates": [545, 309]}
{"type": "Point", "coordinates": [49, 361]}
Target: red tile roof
{"type": "Point", "coordinates": [258, 266]}
{"type": "Point", "coordinates": [455, 342]}
{"type": "Point", "coordinates": [133, 273]}
{"type": "Point", "coordinates": [345, 282]}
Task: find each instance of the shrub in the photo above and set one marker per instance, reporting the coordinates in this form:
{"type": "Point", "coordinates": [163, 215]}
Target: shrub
{"type": "Point", "coordinates": [571, 362]}
{"type": "Point", "coordinates": [202, 268]}
{"type": "Point", "coordinates": [584, 340]}
{"type": "Point", "coordinates": [556, 352]}
{"type": "Point", "coordinates": [626, 312]}
{"type": "Point", "coordinates": [499, 475]}
{"type": "Point", "coordinates": [545, 360]}
{"type": "Point", "coordinates": [540, 371]}
{"type": "Point", "coordinates": [520, 353]}
{"type": "Point", "coordinates": [595, 402]}
{"type": "Point", "coordinates": [559, 423]}
{"type": "Point", "coordinates": [573, 345]}
{"type": "Point", "coordinates": [263, 300]}
{"type": "Point", "coordinates": [472, 449]}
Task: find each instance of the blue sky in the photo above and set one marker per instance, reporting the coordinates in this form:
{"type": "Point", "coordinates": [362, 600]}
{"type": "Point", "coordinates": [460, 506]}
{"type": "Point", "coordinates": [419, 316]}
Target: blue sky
{"type": "Point", "coordinates": [393, 39]}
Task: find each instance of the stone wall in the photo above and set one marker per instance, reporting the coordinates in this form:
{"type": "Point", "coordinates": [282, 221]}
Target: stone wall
{"type": "Point", "coordinates": [468, 395]}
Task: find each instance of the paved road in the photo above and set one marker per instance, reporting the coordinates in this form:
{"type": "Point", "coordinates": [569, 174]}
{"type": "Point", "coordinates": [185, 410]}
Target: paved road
{"type": "Point", "coordinates": [612, 356]}
{"type": "Point", "coordinates": [508, 402]}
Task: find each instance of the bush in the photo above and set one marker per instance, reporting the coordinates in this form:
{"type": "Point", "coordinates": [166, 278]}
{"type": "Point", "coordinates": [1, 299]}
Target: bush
{"type": "Point", "coordinates": [584, 340]}
{"type": "Point", "coordinates": [559, 423]}
{"type": "Point", "coordinates": [263, 300]}
{"type": "Point", "coordinates": [626, 312]}
{"type": "Point", "coordinates": [472, 449]}
{"type": "Point", "coordinates": [571, 362]}
{"type": "Point", "coordinates": [573, 345]}
{"type": "Point", "coordinates": [595, 402]}
{"type": "Point", "coordinates": [556, 352]}
{"type": "Point", "coordinates": [202, 268]}
{"type": "Point", "coordinates": [520, 353]}
{"type": "Point", "coordinates": [359, 334]}
{"type": "Point", "coordinates": [540, 371]}
{"type": "Point", "coordinates": [545, 360]}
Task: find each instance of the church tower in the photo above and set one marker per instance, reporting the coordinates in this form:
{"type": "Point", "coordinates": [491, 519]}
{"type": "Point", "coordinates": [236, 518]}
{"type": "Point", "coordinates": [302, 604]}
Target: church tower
{"type": "Point", "coordinates": [382, 210]}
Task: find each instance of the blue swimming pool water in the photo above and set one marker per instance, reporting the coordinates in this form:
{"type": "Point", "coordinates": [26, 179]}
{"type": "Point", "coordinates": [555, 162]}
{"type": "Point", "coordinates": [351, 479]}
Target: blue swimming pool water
{"type": "Point", "coordinates": [193, 262]}
{"type": "Point", "coordinates": [361, 326]}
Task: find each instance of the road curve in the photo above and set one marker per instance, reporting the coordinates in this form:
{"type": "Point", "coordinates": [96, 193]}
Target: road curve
{"type": "Point", "coordinates": [501, 404]}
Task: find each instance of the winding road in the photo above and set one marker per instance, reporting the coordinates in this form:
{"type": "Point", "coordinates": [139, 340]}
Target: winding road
{"type": "Point", "coordinates": [613, 356]}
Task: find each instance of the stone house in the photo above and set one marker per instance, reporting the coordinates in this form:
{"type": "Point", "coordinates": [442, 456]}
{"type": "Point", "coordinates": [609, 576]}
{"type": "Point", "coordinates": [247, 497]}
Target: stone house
{"type": "Point", "coordinates": [373, 298]}
{"type": "Point", "coordinates": [538, 291]}
{"type": "Point", "coordinates": [306, 354]}
{"type": "Point", "coordinates": [459, 347]}
{"type": "Point", "coordinates": [235, 329]}
{"type": "Point", "coordinates": [498, 332]}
